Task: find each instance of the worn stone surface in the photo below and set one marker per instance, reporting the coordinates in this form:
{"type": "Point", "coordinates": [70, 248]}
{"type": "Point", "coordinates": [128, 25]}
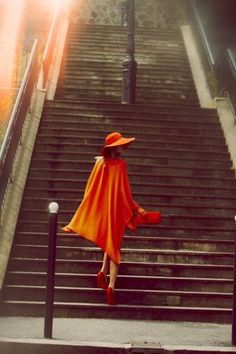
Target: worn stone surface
{"type": "Point", "coordinates": [149, 14]}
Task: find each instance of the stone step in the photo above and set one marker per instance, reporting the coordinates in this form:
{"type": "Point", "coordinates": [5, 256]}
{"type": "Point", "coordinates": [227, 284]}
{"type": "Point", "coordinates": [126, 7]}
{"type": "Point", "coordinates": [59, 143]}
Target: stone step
{"type": "Point", "coordinates": [115, 83]}
{"type": "Point", "coordinates": [135, 164]}
{"type": "Point", "coordinates": [207, 201]}
{"type": "Point", "coordinates": [172, 40]}
{"type": "Point", "coordinates": [148, 312]}
{"type": "Point", "coordinates": [145, 188]}
{"type": "Point", "coordinates": [172, 216]}
{"type": "Point", "coordinates": [116, 97]}
{"type": "Point", "coordinates": [124, 296]}
{"type": "Point", "coordinates": [116, 111]}
{"type": "Point", "coordinates": [173, 150]}
{"type": "Point", "coordinates": [137, 255]}
{"type": "Point", "coordinates": [87, 280]}
{"type": "Point", "coordinates": [108, 43]}
{"type": "Point", "coordinates": [146, 269]}
{"type": "Point", "coordinates": [116, 30]}
{"type": "Point", "coordinates": [170, 134]}
{"type": "Point", "coordinates": [120, 123]}
{"type": "Point", "coordinates": [75, 90]}
{"type": "Point", "coordinates": [193, 230]}
{"type": "Point", "coordinates": [164, 208]}
{"type": "Point", "coordinates": [147, 70]}
{"type": "Point", "coordinates": [136, 182]}
{"type": "Point", "coordinates": [95, 142]}
{"type": "Point", "coordinates": [135, 156]}
{"type": "Point", "coordinates": [131, 108]}
{"type": "Point", "coordinates": [168, 219]}
{"type": "Point", "coordinates": [68, 207]}
{"type": "Point", "coordinates": [36, 177]}
{"type": "Point", "coordinates": [156, 59]}
{"type": "Point", "coordinates": [142, 80]}
{"type": "Point", "coordinates": [132, 241]}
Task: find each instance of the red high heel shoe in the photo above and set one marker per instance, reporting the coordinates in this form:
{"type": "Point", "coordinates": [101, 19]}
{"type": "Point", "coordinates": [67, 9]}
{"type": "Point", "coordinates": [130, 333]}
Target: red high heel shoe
{"type": "Point", "coordinates": [102, 281]}
{"type": "Point", "coordinates": [111, 296]}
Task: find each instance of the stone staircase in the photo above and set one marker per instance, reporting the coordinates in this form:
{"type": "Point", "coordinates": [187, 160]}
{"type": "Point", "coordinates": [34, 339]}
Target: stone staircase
{"type": "Point", "coordinates": [179, 164]}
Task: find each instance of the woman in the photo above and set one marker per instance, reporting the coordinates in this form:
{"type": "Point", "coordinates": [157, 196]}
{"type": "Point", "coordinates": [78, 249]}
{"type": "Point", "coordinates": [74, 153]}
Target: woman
{"type": "Point", "coordinates": [108, 208]}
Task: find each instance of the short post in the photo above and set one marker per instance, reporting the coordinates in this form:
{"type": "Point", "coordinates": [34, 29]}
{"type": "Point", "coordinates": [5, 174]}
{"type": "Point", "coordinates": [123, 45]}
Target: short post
{"type": "Point", "coordinates": [129, 64]}
{"type": "Point", "coordinates": [48, 320]}
{"type": "Point", "coordinates": [234, 294]}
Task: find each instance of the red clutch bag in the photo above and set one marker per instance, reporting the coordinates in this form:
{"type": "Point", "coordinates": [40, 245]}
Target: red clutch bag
{"type": "Point", "coordinates": [147, 218]}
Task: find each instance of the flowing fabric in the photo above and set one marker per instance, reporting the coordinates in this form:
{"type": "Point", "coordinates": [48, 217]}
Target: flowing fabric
{"type": "Point", "coordinates": [107, 207]}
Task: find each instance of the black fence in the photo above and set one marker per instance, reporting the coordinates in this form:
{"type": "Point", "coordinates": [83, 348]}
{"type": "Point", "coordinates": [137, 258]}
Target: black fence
{"type": "Point", "coordinates": [222, 65]}
{"type": "Point", "coordinates": [14, 129]}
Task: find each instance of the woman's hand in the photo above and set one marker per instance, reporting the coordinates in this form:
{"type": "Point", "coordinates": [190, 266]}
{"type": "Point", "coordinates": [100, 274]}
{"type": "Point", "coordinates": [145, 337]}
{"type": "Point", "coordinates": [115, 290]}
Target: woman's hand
{"type": "Point", "coordinates": [141, 211]}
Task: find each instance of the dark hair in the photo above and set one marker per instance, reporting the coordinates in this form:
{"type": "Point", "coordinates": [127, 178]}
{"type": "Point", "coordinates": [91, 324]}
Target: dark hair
{"type": "Point", "coordinates": [107, 152]}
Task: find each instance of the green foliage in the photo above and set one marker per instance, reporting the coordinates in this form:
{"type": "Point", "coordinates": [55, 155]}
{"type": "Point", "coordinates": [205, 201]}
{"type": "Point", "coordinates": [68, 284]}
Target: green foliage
{"type": "Point", "coordinates": [213, 84]}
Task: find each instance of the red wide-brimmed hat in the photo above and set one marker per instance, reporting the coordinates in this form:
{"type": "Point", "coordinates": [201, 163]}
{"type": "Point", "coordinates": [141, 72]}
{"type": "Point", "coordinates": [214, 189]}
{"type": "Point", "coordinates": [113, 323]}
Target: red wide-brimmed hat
{"type": "Point", "coordinates": [116, 139]}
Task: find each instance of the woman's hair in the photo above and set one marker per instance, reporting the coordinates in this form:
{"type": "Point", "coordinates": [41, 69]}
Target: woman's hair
{"type": "Point", "coordinates": [107, 152]}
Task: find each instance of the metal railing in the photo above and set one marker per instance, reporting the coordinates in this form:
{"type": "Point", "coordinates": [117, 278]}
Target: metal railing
{"type": "Point", "coordinates": [225, 69]}
{"type": "Point", "coordinates": [203, 38]}
{"type": "Point", "coordinates": [50, 45]}
{"type": "Point", "coordinates": [14, 129]}
{"type": "Point", "coordinates": [224, 66]}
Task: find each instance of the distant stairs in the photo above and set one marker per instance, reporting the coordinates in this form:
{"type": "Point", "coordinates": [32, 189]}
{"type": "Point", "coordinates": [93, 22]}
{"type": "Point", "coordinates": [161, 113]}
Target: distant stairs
{"type": "Point", "coordinates": [179, 164]}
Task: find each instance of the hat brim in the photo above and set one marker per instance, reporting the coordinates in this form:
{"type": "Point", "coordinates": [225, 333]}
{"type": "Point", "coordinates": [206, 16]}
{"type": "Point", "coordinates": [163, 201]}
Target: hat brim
{"type": "Point", "coordinates": [121, 141]}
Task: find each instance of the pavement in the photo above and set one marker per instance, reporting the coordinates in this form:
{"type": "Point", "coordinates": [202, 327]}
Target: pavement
{"type": "Point", "coordinates": [20, 335]}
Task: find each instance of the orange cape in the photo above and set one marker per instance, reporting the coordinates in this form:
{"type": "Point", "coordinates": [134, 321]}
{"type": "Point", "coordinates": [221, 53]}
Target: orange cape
{"type": "Point", "coordinates": [106, 208]}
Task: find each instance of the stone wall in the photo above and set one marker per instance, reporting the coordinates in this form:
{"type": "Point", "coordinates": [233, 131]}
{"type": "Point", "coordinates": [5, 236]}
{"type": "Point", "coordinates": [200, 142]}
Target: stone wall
{"type": "Point", "coordinates": [149, 13]}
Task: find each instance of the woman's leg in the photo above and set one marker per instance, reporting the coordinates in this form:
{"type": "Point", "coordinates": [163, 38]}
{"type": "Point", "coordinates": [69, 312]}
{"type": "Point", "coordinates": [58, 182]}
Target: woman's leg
{"type": "Point", "coordinates": [113, 274]}
{"type": "Point", "coordinates": [105, 264]}
{"type": "Point", "coordinates": [110, 290]}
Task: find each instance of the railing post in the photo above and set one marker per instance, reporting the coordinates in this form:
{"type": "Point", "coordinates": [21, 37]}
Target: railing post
{"type": "Point", "coordinates": [48, 320]}
{"type": "Point", "coordinates": [129, 64]}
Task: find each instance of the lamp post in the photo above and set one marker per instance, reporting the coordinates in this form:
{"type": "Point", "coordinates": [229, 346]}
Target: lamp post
{"type": "Point", "coordinates": [129, 65]}
{"type": "Point", "coordinates": [48, 320]}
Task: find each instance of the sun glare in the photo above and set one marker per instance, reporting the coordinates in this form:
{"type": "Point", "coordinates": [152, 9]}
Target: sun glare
{"type": "Point", "coordinates": [9, 32]}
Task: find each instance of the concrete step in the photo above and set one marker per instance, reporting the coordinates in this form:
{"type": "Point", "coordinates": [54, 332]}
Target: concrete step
{"type": "Point", "coordinates": [88, 280]}
{"type": "Point", "coordinates": [37, 178]}
{"type": "Point", "coordinates": [168, 230]}
{"type": "Point", "coordinates": [115, 84]}
{"type": "Point", "coordinates": [163, 158]}
{"type": "Point", "coordinates": [136, 182]}
{"type": "Point", "coordinates": [42, 192]}
{"type": "Point", "coordinates": [120, 123]}
{"type": "Point", "coordinates": [161, 199]}
{"type": "Point", "coordinates": [143, 137]}
{"type": "Point", "coordinates": [137, 255]}
{"type": "Point", "coordinates": [58, 149]}
{"type": "Point", "coordinates": [107, 94]}
{"type": "Point", "coordinates": [164, 208]}
{"type": "Point", "coordinates": [128, 268]}
{"type": "Point", "coordinates": [124, 296]}
{"type": "Point", "coordinates": [148, 312]}
{"type": "Point", "coordinates": [94, 143]}
{"type": "Point", "coordinates": [136, 165]}
{"type": "Point", "coordinates": [171, 78]}
{"type": "Point", "coordinates": [153, 242]}
{"type": "Point", "coordinates": [110, 113]}
{"type": "Point", "coordinates": [159, 108]}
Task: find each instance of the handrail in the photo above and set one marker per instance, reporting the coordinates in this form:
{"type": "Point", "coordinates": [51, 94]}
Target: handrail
{"type": "Point", "coordinates": [232, 60]}
{"type": "Point", "coordinates": [203, 34]}
{"type": "Point", "coordinates": [14, 129]}
{"type": "Point", "coordinates": [48, 52]}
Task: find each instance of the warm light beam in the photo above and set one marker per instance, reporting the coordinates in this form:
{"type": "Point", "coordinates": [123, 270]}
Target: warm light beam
{"type": "Point", "coordinates": [9, 34]}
